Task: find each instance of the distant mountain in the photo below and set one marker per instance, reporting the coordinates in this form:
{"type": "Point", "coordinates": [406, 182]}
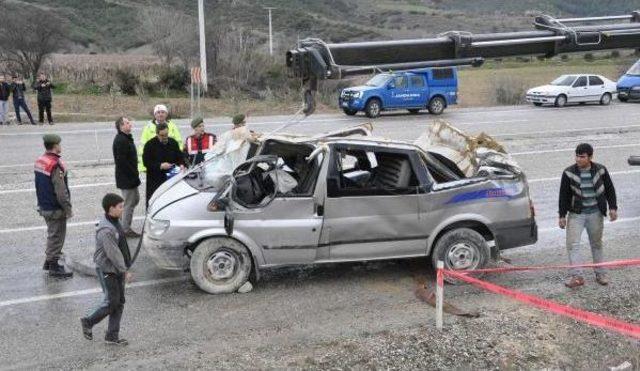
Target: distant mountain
{"type": "Point", "coordinates": [114, 25]}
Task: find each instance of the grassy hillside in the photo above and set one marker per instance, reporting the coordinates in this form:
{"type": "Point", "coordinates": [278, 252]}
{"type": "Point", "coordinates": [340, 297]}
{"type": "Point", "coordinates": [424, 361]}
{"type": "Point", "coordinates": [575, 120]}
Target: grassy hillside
{"type": "Point", "coordinates": [113, 25]}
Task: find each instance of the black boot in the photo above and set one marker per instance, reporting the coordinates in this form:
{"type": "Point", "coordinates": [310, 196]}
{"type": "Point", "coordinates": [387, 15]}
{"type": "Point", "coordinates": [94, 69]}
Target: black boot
{"type": "Point", "coordinates": [86, 329]}
{"type": "Point", "coordinates": [46, 266]}
{"type": "Point", "coordinates": [58, 271]}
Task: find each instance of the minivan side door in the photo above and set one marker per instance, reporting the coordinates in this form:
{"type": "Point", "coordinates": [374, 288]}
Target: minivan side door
{"type": "Point", "coordinates": [372, 204]}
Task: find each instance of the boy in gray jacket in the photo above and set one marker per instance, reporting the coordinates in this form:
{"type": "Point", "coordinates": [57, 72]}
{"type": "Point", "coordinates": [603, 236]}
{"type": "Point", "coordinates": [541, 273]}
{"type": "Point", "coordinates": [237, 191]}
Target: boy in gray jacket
{"type": "Point", "coordinates": [113, 259]}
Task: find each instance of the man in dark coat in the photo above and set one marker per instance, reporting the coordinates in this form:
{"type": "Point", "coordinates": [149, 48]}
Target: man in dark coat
{"type": "Point", "coordinates": [125, 156]}
{"type": "Point", "coordinates": [43, 86]}
{"type": "Point", "coordinates": [161, 157]}
{"type": "Point", "coordinates": [18, 90]}
{"type": "Point", "coordinates": [5, 90]}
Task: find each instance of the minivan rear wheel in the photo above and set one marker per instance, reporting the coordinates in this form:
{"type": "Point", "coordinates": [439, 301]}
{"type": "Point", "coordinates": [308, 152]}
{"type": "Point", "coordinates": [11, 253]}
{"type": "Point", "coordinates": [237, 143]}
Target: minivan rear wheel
{"type": "Point", "coordinates": [220, 265]}
{"type": "Point", "coordinates": [461, 249]}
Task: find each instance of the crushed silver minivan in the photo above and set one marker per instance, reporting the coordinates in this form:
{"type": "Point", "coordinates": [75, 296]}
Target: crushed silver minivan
{"type": "Point", "coordinates": [340, 197]}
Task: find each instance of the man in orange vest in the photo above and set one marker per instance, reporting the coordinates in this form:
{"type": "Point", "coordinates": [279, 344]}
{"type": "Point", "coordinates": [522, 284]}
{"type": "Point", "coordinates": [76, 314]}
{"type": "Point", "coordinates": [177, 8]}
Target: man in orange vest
{"type": "Point", "coordinates": [199, 144]}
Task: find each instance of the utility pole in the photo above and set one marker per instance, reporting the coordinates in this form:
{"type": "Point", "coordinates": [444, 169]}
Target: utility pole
{"type": "Point", "coordinates": [203, 51]}
{"type": "Point", "coordinates": [270, 31]}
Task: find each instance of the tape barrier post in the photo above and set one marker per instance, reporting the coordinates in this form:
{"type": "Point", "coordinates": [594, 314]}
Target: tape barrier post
{"type": "Point", "coordinates": [593, 319]}
{"type": "Point", "coordinates": [439, 294]}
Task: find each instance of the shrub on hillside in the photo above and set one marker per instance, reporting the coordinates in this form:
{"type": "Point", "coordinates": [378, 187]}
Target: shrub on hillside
{"type": "Point", "coordinates": [127, 80]}
{"type": "Point", "coordinates": [508, 90]}
{"type": "Point", "coordinates": [589, 57]}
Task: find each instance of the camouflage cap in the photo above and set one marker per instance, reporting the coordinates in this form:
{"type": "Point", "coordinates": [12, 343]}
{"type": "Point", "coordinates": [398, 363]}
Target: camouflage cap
{"type": "Point", "coordinates": [238, 119]}
{"type": "Point", "coordinates": [51, 139]}
{"type": "Point", "coordinates": [196, 121]}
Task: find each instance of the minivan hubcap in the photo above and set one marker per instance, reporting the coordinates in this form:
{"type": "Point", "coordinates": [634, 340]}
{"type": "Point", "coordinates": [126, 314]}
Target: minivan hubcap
{"type": "Point", "coordinates": [222, 265]}
{"type": "Point", "coordinates": [375, 109]}
{"type": "Point", "coordinates": [463, 256]}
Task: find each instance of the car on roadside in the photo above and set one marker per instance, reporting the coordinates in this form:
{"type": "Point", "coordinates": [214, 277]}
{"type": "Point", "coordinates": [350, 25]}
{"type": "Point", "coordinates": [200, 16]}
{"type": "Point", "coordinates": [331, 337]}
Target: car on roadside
{"type": "Point", "coordinates": [433, 89]}
{"type": "Point", "coordinates": [629, 84]}
{"type": "Point", "coordinates": [575, 88]}
{"type": "Point", "coordinates": [344, 196]}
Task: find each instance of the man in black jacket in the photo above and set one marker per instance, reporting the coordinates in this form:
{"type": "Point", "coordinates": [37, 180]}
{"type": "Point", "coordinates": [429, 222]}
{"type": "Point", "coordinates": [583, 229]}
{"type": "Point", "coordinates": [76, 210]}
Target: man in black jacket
{"type": "Point", "coordinates": [586, 190]}
{"type": "Point", "coordinates": [161, 157]}
{"type": "Point", "coordinates": [43, 86]}
{"type": "Point", "coordinates": [5, 90]}
{"type": "Point", "coordinates": [18, 90]}
{"type": "Point", "coordinates": [127, 177]}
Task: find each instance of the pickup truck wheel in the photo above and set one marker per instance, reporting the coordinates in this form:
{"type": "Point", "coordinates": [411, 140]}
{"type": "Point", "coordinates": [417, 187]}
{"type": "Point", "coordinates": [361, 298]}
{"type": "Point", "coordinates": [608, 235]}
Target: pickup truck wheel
{"type": "Point", "coordinates": [436, 105]}
{"type": "Point", "coordinates": [414, 110]}
{"type": "Point", "coordinates": [605, 99]}
{"type": "Point", "coordinates": [220, 265]}
{"type": "Point", "coordinates": [349, 112]}
{"type": "Point", "coordinates": [373, 107]}
{"type": "Point", "coordinates": [461, 249]}
{"type": "Point", "coordinates": [561, 100]}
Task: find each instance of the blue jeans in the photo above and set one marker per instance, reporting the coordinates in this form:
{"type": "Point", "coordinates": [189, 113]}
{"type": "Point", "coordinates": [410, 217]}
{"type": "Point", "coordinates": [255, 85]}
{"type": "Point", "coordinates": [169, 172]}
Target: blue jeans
{"type": "Point", "coordinates": [21, 103]}
{"type": "Point", "coordinates": [576, 224]}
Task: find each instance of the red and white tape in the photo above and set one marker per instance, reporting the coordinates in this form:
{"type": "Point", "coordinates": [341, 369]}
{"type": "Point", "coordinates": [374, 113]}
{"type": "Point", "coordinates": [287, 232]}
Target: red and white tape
{"type": "Point", "coordinates": [594, 319]}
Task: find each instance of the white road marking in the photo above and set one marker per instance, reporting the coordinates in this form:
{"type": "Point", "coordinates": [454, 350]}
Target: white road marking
{"type": "Point", "coordinates": [610, 224]}
{"type": "Point", "coordinates": [44, 227]}
{"type": "Point", "coordinates": [26, 190]}
{"type": "Point", "coordinates": [69, 294]}
{"type": "Point", "coordinates": [572, 149]}
{"type": "Point", "coordinates": [104, 161]}
{"type": "Point", "coordinates": [566, 130]}
{"type": "Point", "coordinates": [540, 180]}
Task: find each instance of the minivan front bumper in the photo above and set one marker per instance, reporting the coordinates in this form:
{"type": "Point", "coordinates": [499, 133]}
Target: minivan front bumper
{"type": "Point", "coordinates": [166, 254]}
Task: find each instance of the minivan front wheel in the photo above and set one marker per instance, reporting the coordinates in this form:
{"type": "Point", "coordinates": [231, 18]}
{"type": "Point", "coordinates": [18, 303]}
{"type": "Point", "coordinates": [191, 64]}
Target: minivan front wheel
{"type": "Point", "coordinates": [220, 265]}
{"type": "Point", "coordinates": [461, 249]}
{"type": "Point", "coordinates": [373, 108]}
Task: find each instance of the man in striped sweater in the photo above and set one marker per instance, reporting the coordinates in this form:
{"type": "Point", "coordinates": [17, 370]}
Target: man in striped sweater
{"type": "Point", "coordinates": [586, 192]}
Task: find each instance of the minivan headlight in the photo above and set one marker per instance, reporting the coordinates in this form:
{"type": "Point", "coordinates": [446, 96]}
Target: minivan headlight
{"type": "Point", "coordinates": [157, 227]}
{"type": "Point", "coordinates": [357, 94]}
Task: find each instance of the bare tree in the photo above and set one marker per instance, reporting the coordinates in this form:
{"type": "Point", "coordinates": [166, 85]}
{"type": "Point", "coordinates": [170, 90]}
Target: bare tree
{"type": "Point", "coordinates": [172, 36]}
{"type": "Point", "coordinates": [28, 35]}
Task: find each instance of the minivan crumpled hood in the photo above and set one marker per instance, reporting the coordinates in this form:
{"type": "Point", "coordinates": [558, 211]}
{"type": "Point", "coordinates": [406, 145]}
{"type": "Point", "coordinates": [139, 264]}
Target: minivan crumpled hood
{"type": "Point", "coordinates": [474, 155]}
{"type": "Point", "coordinates": [628, 81]}
{"type": "Point", "coordinates": [170, 191]}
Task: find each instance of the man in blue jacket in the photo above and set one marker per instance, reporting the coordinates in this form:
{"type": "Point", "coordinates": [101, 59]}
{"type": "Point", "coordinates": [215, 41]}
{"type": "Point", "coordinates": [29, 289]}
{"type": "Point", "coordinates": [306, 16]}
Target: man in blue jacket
{"type": "Point", "coordinates": [113, 260]}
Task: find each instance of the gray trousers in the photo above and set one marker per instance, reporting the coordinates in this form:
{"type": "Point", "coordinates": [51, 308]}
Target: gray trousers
{"type": "Point", "coordinates": [594, 224]}
{"type": "Point", "coordinates": [3, 110]}
{"type": "Point", "coordinates": [56, 233]}
{"type": "Point", "coordinates": [131, 200]}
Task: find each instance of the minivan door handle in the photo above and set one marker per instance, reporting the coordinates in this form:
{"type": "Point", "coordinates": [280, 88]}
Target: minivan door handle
{"type": "Point", "coordinates": [319, 209]}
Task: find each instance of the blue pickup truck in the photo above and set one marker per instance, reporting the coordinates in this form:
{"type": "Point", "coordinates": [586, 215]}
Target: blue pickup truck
{"type": "Point", "coordinates": [431, 88]}
{"type": "Point", "coordinates": [629, 84]}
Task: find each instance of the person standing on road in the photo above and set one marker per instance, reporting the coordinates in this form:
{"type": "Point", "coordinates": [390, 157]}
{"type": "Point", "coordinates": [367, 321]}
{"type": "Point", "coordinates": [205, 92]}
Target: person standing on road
{"type": "Point", "coordinates": [160, 116]}
{"type": "Point", "coordinates": [43, 86]}
{"type": "Point", "coordinates": [54, 202]}
{"type": "Point", "coordinates": [5, 90]}
{"type": "Point", "coordinates": [113, 260]}
{"type": "Point", "coordinates": [127, 175]}
{"type": "Point", "coordinates": [199, 144]}
{"type": "Point", "coordinates": [18, 90]}
{"type": "Point", "coordinates": [586, 189]}
{"type": "Point", "coordinates": [162, 158]}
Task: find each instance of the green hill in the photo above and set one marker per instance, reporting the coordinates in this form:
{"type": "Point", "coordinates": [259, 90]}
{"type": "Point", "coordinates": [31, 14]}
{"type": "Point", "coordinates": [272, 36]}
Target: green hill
{"type": "Point", "coordinates": [113, 25]}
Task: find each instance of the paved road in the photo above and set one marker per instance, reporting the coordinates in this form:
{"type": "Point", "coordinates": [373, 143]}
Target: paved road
{"type": "Point", "coordinates": [170, 323]}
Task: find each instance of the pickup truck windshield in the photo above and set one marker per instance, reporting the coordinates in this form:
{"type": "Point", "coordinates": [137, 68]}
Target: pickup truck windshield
{"type": "Point", "coordinates": [635, 69]}
{"type": "Point", "coordinates": [564, 80]}
{"type": "Point", "coordinates": [378, 80]}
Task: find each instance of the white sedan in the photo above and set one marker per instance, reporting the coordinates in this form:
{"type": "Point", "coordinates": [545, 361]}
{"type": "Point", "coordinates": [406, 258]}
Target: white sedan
{"type": "Point", "coordinates": [574, 89]}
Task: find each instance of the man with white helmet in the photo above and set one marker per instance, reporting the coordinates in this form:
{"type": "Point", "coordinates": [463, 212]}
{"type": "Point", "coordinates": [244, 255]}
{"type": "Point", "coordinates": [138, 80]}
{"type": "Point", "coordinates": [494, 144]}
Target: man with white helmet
{"type": "Point", "coordinates": [160, 116]}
